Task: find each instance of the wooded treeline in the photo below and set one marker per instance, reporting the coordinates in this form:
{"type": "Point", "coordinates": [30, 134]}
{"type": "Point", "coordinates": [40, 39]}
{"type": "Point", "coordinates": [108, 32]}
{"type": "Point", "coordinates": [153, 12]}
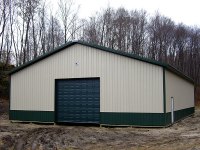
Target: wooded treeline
{"type": "Point", "coordinates": [29, 29]}
{"type": "Point", "coordinates": [156, 37]}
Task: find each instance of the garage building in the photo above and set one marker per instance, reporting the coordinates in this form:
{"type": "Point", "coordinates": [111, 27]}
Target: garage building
{"type": "Point", "coordinates": [81, 82]}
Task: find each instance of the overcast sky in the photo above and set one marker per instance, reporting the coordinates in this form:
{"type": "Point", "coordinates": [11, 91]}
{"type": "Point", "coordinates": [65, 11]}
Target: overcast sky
{"type": "Point", "coordinates": [180, 11]}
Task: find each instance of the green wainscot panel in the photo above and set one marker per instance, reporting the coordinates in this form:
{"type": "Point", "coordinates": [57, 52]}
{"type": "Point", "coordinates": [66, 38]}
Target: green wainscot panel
{"type": "Point", "coordinates": [34, 116]}
{"type": "Point", "coordinates": [178, 115]}
{"type": "Point", "coordinates": [137, 119]}
{"type": "Point", "coordinates": [143, 119]}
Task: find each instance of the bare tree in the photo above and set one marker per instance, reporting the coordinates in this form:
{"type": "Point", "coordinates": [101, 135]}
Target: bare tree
{"type": "Point", "coordinates": [91, 33]}
{"type": "Point", "coordinates": [42, 29]}
{"type": "Point", "coordinates": [160, 37]}
{"type": "Point", "coordinates": [193, 54]}
{"type": "Point", "coordinates": [4, 12]}
{"type": "Point", "coordinates": [28, 30]}
{"type": "Point", "coordinates": [68, 15]}
{"type": "Point", "coordinates": [54, 34]}
{"type": "Point", "coordinates": [138, 32]}
{"type": "Point", "coordinates": [180, 44]}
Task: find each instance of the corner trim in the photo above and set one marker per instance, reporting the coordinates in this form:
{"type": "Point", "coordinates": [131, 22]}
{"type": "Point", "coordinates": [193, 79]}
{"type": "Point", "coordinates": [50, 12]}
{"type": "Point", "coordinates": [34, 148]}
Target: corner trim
{"type": "Point", "coordinates": [9, 98]}
{"type": "Point", "coordinates": [164, 94]}
{"type": "Point", "coordinates": [164, 91]}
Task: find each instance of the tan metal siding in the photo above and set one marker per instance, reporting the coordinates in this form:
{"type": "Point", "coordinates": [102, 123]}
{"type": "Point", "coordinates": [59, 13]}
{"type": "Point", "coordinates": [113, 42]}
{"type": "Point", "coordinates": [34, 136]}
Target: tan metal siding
{"type": "Point", "coordinates": [126, 85]}
{"type": "Point", "coordinates": [181, 90]}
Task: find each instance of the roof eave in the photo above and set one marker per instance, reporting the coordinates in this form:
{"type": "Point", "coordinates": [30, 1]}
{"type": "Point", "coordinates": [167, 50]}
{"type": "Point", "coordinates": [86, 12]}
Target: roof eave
{"type": "Point", "coordinates": [60, 48]}
{"type": "Point", "coordinates": [179, 73]}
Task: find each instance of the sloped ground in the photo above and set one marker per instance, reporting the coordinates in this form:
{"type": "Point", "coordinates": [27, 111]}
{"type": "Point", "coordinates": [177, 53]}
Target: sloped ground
{"type": "Point", "coordinates": [182, 135]}
{"type": "Point", "coordinates": [4, 107]}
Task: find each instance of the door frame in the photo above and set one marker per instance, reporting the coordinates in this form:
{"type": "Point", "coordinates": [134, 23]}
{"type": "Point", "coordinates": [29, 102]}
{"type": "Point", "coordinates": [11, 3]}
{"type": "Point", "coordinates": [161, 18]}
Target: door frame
{"type": "Point", "coordinates": [55, 87]}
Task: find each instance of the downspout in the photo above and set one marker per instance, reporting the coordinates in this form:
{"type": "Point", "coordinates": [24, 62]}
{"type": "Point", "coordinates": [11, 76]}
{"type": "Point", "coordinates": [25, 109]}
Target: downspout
{"type": "Point", "coordinates": [172, 110]}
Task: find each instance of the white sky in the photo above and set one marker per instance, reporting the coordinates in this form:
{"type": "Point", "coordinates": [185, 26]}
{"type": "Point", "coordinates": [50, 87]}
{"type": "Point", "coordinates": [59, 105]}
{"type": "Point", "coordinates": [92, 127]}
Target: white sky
{"type": "Point", "coordinates": [180, 11]}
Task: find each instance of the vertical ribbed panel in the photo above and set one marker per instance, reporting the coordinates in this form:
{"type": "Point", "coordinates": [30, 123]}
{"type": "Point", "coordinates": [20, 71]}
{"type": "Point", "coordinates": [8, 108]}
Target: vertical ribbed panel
{"type": "Point", "coordinates": [126, 85]}
{"type": "Point", "coordinates": [181, 90]}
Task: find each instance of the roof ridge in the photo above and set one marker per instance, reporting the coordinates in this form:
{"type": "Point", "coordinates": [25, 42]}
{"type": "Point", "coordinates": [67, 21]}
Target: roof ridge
{"type": "Point", "coordinates": [119, 52]}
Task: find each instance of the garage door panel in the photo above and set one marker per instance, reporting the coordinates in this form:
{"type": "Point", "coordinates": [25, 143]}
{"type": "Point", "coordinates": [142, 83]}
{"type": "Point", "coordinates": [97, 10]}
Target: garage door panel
{"type": "Point", "coordinates": [78, 100]}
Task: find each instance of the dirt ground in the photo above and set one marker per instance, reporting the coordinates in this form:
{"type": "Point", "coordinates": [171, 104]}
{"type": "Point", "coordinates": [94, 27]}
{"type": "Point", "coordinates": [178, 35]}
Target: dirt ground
{"type": "Point", "coordinates": [182, 135]}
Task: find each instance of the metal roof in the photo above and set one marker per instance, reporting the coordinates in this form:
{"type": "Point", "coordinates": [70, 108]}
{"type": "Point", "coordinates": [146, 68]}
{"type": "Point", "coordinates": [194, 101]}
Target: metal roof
{"type": "Point", "coordinates": [60, 48]}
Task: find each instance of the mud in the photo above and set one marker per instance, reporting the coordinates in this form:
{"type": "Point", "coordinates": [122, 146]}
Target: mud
{"type": "Point", "coordinates": [29, 136]}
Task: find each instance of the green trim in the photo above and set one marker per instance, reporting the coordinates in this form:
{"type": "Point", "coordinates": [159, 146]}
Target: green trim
{"type": "Point", "coordinates": [143, 119]}
{"type": "Point", "coordinates": [178, 73]}
{"type": "Point", "coordinates": [33, 116]}
{"type": "Point", "coordinates": [9, 97]}
{"type": "Point", "coordinates": [164, 91]}
{"type": "Point", "coordinates": [179, 114]}
{"type": "Point", "coordinates": [137, 119]}
{"type": "Point", "coordinates": [58, 49]}
{"type": "Point", "coordinates": [64, 46]}
{"type": "Point", "coordinates": [122, 53]}
{"type": "Point", "coordinates": [55, 103]}
{"type": "Point", "coordinates": [109, 118]}
{"type": "Point", "coordinates": [119, 52]}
